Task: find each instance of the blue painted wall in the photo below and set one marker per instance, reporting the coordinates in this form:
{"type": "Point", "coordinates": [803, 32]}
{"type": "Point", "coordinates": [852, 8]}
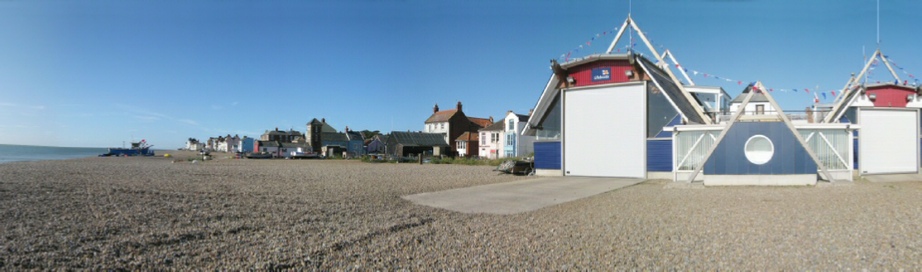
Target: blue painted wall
{"type": "Point", "coordinates": [659, 155]}
{"type": "Point", "coordinates": [547, 155]}
{"type": "Point", "coordinates": [856, 152]}
{"type": "Point", "coordinates": [789, 157]}
{"type": "Point", "coordinates": [246, 145]}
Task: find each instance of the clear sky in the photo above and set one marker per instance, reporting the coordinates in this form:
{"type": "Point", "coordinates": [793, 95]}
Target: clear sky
{"type": "Point", "coordinates": [97, 73]}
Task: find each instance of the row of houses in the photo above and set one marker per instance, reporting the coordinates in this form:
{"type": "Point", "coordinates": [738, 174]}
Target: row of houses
{"type": "Point", "coordinates": [445, 133]}
{"type": "Point", "coordinates": [627, 115]}
{"type": "Point", "coordinates": [452, 133]}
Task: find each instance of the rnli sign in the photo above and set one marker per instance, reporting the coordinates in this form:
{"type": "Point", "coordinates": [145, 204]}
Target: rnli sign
{"type": "Point", "coordinates": [601, 74]}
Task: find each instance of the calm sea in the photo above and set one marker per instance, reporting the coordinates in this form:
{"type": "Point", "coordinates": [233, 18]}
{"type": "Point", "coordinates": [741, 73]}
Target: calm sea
{"type": "Point", "coordinates": [12, 153]}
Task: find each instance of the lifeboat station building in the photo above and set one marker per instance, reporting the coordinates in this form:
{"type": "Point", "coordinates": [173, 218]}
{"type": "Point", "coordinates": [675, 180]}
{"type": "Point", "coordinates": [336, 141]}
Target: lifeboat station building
{"type": "Point", "coordinates": [888, 114]}
{"type": "Point", "coordinates": [625, 115]}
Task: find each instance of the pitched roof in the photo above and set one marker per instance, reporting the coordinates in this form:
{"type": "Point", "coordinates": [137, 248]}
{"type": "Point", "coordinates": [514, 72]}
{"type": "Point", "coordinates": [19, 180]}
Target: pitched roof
{"type": "Point", "coordinates": [269, 143]}
{"type": "Point", "coordinates": [441, 116]}
{"type": "Point", "coordinates": [419, 138]}
{"type": "Point", "coordinates": [482, 122]}
{"type": "Point", "coordinates": [497, 126]}
{"type": "Point", "coordinates": [355, 135]}
{"type": "Point", "coordinates": [333, 137]}
{"type": "Point", "coordinates": [756, 97]}
{"type": "Point", "coordinates": [662, 80]}
{"type": "Point", "coordinates": [324, 127]}
{"type": "Point", "coordinates": [522, 117]}
{"type": "Point", "coordinates": [468, 136]}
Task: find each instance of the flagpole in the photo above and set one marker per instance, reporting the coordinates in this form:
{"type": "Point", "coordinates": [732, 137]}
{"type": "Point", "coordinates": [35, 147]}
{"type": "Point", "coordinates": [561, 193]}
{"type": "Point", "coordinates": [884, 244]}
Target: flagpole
{"type": "Point", "coordinates": [630, 33]}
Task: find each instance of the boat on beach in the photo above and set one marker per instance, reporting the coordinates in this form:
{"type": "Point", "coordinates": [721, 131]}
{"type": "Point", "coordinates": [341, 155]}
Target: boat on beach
{"type": "Point", "coordinates": [137, 149]}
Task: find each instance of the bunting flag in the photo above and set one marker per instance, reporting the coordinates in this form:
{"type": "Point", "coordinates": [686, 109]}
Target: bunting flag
{"type": "Point", "coordinates": [870, 73]}
{"type": "Point", "coordinates": [817, 92]}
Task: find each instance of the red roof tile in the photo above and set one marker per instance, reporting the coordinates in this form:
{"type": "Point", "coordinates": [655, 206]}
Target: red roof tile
{"type": "Point", "coordinates": [469, 137]}
{"type": "Point", "coordinates": [441, 116]}
{"type": "Point", "coordinates": [482, 122]}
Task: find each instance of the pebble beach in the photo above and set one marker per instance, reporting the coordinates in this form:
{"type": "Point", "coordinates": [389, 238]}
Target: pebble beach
{"type": "Point", "coordinates": [161, 213]}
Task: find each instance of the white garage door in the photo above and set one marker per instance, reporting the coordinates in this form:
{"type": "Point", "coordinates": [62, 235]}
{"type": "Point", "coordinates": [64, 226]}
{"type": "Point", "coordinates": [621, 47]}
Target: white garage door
{"type": "Point", "coordinates": [605, 132]}
{"type": "Point", "coordinates": [888, 141]}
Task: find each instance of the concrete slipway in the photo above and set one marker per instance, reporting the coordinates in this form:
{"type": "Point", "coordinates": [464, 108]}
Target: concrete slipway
{"type": "Point", "coordinates": [519, 196]}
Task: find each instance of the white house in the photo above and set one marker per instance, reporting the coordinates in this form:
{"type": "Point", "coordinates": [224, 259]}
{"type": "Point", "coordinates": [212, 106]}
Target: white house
{"type": "Point", "coordinates": [227, 144]}
{"type": "Point", "coordinates": [516, 144]}
{"type": "Point", "coordinates": [194, 145]}
{"type": "Point", "coordinates": [758, 104]}
{"type": "Point", "coordinates": [492, 142]}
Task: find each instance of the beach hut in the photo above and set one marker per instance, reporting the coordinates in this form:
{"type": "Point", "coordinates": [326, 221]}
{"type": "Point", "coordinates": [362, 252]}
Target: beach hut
{"type": "Point", "coordinates": [888, 113]}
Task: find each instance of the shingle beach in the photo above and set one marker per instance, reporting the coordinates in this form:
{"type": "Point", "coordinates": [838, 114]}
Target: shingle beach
{"type": "Point", "coordinates": [154, 214]}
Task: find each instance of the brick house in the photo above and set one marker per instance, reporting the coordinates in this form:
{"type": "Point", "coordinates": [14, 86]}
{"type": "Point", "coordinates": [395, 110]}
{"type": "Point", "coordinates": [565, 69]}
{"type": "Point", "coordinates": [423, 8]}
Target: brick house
{"type": "Point", "coordinates": [452, 123]}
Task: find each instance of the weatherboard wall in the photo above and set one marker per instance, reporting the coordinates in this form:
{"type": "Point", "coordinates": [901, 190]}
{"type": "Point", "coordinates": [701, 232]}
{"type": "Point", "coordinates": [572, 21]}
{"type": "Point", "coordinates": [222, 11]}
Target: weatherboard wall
{"type": "Point", "coordinates": [583, 74]}
{"type": "Point", "coordinates": [659, 155]}
{"type": "Point", "coordinates": [789, 157]}
{"type": "Point", "coordinates": [547, 155]}
{"type": "Point", "coordinates": [890, 96]}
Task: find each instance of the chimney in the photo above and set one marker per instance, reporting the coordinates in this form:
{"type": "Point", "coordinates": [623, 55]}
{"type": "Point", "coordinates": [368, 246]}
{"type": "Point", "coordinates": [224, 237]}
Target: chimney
{"type": "Point", "coordinates": [491, 119]}
{"type": "Point", "coordinates": [347, 128]}
{"type": "Point", "coordinates": [531, 111]}
{"type": "Point", "coordinates": [276, 128]}
{"type": "Point", "coordinates": [323, 120]}
{"type": "Point", "coordinates": [436, 108]}
{"type": "Point", "coordinates": [459, 105]}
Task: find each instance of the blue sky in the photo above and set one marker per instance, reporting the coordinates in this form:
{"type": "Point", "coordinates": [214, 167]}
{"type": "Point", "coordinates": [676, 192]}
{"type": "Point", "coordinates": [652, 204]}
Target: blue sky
{"type": "Point", "coordinates": [97, 73]}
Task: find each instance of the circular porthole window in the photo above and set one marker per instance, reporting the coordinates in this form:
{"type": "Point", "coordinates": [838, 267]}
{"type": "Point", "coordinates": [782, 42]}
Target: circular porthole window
{"type": "Point", "coordinates": [759, 149]}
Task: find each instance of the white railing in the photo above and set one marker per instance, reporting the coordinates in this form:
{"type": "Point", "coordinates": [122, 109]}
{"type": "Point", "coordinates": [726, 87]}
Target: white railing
{"type": "Point", "coordinates": [690, 146]}
{"type": "Point", "coordinates": [832, 144]}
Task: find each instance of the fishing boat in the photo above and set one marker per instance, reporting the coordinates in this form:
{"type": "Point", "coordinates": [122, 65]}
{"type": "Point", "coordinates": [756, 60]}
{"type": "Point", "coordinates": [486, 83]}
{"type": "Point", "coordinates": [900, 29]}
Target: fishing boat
{"type": "Point", "coordinates": [137, 149]}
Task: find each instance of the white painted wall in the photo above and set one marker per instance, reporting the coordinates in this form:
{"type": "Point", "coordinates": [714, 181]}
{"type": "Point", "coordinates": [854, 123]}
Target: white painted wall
{"type": "Point", "coordinates": [751, 107]}
{"type": "Point", "coordinates": [888, 141]}
{"type": "Point", "coordinates": [438, 127]}
{"type": "Point", "coordinates": [492, 143]}
{"type": "Point", "coordinates": [605, 132]}
{"type": "Point", "coordinates": [524, 145]}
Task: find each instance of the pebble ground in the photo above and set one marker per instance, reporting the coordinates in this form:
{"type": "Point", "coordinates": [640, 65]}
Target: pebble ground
{"type": "Point", "coordinates": [156, 214]}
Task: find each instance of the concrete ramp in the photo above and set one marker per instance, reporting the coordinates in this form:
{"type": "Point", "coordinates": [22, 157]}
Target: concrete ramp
{"type": "Point", "coordinates": [519, 196]}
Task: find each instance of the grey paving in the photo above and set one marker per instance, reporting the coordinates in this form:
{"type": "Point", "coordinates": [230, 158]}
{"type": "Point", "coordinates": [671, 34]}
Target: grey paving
{"type": "Point", "coordinates": [519, 196]}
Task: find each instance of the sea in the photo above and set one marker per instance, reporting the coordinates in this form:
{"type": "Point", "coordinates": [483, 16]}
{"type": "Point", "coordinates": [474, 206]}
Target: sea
{"type": "Point", "coordinates": [14, 153]}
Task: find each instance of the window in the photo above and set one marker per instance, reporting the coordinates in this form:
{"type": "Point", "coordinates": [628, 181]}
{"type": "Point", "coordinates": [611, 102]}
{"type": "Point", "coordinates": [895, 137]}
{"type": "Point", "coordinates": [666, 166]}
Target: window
{"type": "Point", "coordinates": [511, 126]}
{"type": "Point", "coordinates": [760, 109]}
{"type": "Point", "coordinates": [494, 137]}
{"type": "Point", "coordinates": [483, 138]}
{"type": "Point", "coordinates": [441, 125]}
{"type": "Point", "coordinates": [759, 149]}
{"type": "Point", "coordinates": [549, 128]}
{"type": "Point", "coordinates": [462, 145]}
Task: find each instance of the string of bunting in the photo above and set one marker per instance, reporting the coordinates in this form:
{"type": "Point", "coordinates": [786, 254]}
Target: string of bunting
{"type": "Point", "coordinates": [815, 91]}
{"type": "Point", "coordinates": [566, 57]}
{"type": "Point", "coordinates": [584, 46]}
{"type": "Point", "coordinates": [910, 75]}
